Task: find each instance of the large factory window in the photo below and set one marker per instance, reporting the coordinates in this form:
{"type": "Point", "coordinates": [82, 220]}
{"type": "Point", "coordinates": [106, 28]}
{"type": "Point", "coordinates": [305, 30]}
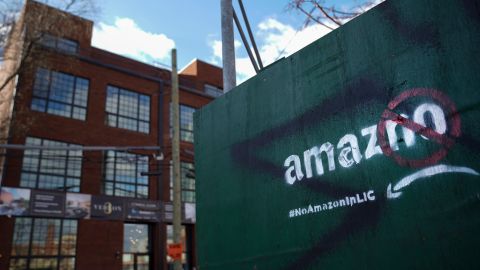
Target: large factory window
{"type": "Point", "coordinates": [41, 243]}
{"type": "Point", "coordinates": [122, 175]}
{"type": "Point", "coordinates": [60, 94]}
{"type": "Point", "coordinates": [128, 110]}
{"type": "Point", "coordinates": [55, 168]}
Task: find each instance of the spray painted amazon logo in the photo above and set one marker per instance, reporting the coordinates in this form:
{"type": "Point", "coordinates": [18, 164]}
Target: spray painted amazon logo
{"type": "Point", "coordinates": [428, 120]}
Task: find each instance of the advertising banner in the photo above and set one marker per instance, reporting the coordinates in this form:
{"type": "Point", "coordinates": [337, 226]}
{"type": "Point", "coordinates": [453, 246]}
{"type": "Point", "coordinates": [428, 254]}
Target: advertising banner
{"type": "Point", "coordinates": [14, 201]}
{"type": "Point", "coordinates": [44, 203]}
{"type": "Point", "coordinates": [47, 203]}
{"type": "Point", "coordinates": [105, 207]}
{"type": "Point", "coordinates": [143, 210]}
{"type": "Point", "coordinates": [78, 205]}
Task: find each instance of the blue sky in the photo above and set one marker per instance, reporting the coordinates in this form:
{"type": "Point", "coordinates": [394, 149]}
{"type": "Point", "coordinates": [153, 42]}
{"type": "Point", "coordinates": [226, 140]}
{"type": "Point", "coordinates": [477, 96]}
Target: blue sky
{"type": "Point", "coordinates": [146, 30]}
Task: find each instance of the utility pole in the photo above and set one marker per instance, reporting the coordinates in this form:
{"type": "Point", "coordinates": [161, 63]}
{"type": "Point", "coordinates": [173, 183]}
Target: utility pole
{"type": "Point", "coordinates": [228, 46]}
{"type": "Point", "coordinates": [177, 211]}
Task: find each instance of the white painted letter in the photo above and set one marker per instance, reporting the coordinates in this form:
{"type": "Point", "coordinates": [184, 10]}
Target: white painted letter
{"type": "Point", "coordinates": [316, 152]}
{"type": "Point", "coordinates": [343, 158]}
{"type": "Point", "coordinates": [297, 166]}
{"type": "Point", "coordinates": [371, 195]}
{"type": "Point", "coordinates": [408, 135]}
{"type": "Point", "coordinates": [438, 117]}
{"type": "Point", "coordinates": [372, 147]}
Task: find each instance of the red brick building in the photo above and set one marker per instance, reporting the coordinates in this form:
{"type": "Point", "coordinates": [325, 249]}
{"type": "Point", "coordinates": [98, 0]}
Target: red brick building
{"type": "Point", "coordinates": [77, 96]}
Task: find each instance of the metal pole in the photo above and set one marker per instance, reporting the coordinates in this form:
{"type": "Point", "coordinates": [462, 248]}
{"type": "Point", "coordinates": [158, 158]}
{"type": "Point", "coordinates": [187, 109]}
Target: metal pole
{"type": "Point", "coordinates": [78, 148]}
{"type": "Point", "coordinates": [177, 211]}
{"type": "Point", "coordinates": [250, 34]}
{"type": "Point", "coordinates": [228, 46]}
{"type": "Point", "coordinates": [245, 42]}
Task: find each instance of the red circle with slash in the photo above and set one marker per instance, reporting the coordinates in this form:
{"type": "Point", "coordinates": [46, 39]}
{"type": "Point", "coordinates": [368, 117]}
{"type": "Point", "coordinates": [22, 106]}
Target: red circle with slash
{"type": "Point", "coordinates": [446, 141]}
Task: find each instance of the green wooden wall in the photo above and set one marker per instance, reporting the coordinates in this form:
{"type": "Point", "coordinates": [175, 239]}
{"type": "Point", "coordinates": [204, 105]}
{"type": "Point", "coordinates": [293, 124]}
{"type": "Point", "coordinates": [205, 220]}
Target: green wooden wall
{"type": "Point", "coordinates": [361, 151]}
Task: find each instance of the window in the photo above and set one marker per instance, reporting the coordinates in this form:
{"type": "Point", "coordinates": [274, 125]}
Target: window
{"type": "Point", "coordinates": [213, 90]}
{"type": "Point", "coordinates": [60, 94]}
{"type": "Point", "coordinates": [41, 243]}
{"type": "Point", "coordinates": [61, 44]}
{"type": "Point", "coordinates": [128, 110]}
{"type": "Point", "coordinates": [122, 175]}
{"type": "Point", "coordinates": [186, 122]}
{"type": "Point", "coordinates": [187, 175]}
{"type": "Point", "coordinates": [51, 169]}
{"type": "Point", "coordinates": [136, 247]}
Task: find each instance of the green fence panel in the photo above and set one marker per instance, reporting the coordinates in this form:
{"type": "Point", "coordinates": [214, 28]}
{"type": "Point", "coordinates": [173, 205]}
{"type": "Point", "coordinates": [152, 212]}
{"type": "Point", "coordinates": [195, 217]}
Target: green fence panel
{"type": "Point", "coordinates": [361, 151]}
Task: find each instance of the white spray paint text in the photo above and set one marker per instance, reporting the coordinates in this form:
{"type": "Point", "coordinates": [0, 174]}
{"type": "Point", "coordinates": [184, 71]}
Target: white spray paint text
{"type": "Point", "coordinates": [349, 150]}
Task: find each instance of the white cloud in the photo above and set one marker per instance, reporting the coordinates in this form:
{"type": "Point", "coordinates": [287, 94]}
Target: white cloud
{"type": "Point", "coordinates": [275, 40]}
{"type": "Point", "coordinates": [244, 69]}
{"type": "Point", "coordinates": [216, 57]}
{"type": "Point", "coordinates": [126, 38]}
{"type": "Point", "coordinates": [282, 39]}
{"type": "Point", "coordinates": [216, 45]}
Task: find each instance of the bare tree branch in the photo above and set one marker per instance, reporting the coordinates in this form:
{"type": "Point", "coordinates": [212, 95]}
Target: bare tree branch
{"type": "Point", "coordinates": [310, 17]}
{"type": "Point", "coordinates": [7, 23]}
{"type": "Point", "coordinates": [17, 70]}
{"type": "Point", "coordinates": [323, 14]}
{"type": "Point", "coordinates": [322, 9]}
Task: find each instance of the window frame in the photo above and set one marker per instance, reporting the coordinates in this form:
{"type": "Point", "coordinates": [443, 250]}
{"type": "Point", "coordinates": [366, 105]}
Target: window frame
{"type": "Point", "coordinates": [30, 256]}
{"type": "Point", "coordinates": [114, 180]}
{"type": "Point", "coordinates": [117, 114]}
{"type": "Point", "coordinates": [55, 41]}
{"type": "Point", "coordinates": [183, 131]}
{"type": "Point", "coordinates": [183, 177]}
{"type": "Point", "coordinates": [135, 255]}
{"type": "Point", "coordinates": [47, 99]}
{"type": "Point", "coordinates": [40, 157]}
